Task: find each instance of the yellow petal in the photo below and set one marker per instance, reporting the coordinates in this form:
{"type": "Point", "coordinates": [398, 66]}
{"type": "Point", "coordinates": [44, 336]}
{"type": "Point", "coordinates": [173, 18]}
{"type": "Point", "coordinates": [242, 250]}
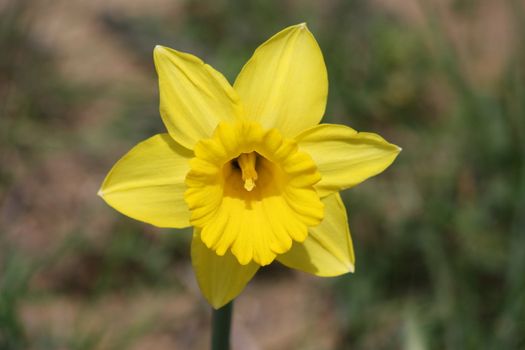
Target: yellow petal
{"type": "Point", "coordinates": [328, 250]}
{"type": "Point", "coordinates": [194, 97]}
{"type": "Point", "coordinates": [220, 278]}
{"type": "Point", "coordinates": [284, 85]}
{"type": "Point", "coordinates": [345, 157]}
{"type": "Point", "coordinates": [147, 184]}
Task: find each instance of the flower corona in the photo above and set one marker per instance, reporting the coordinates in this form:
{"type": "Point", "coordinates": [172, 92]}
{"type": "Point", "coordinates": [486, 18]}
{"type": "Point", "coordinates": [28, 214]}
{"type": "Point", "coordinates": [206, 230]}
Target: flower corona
{"type": "Point", "coordinates": [252, 190]}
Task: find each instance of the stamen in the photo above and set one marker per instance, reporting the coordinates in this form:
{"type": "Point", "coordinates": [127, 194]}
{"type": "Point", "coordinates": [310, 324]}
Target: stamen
{"type": "Point", "coordinates": [247, 162]}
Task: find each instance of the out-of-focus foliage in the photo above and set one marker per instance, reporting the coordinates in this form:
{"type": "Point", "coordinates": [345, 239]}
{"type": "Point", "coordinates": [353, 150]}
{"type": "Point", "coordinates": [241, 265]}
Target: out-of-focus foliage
{"type": "Point", "coordinates": [439, 237]}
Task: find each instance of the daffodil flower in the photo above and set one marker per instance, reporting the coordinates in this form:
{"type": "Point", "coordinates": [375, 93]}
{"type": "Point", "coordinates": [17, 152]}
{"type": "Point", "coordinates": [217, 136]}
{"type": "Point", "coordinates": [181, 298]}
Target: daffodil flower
{"type": "Point", "coordinates": [249, 166]}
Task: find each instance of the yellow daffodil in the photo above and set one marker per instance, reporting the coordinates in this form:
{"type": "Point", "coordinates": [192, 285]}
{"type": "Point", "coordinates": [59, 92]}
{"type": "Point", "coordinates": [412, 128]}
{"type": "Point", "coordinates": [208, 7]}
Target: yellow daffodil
{"type": "Point", "coordinates": [248, 166]}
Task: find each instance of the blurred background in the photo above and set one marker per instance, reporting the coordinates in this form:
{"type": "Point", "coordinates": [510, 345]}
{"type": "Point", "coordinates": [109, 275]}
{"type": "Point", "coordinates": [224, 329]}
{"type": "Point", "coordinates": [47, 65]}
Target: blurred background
{"type": "Point", "coordinates": [439, 237]}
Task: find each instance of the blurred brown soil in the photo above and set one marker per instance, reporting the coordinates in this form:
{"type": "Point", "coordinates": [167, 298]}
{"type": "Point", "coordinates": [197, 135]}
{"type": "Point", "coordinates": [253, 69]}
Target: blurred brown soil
{"type": "Point", "coordinates": [166, 320]}
{"type": "Point", "coordinates": [483, 34]}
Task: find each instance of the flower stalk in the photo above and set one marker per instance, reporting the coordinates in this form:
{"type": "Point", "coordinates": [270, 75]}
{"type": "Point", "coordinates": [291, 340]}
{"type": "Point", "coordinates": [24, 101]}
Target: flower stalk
{"type": "Point", "coordinates": [221, 325]}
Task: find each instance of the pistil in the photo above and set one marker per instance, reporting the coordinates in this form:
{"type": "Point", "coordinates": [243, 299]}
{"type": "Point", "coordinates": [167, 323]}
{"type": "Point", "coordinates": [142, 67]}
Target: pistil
{"type": "Point", "coordinates": [247, 162]}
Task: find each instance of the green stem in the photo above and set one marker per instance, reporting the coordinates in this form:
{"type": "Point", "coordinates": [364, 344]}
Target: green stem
{"type": "Point", "coordinates": [221, 324]}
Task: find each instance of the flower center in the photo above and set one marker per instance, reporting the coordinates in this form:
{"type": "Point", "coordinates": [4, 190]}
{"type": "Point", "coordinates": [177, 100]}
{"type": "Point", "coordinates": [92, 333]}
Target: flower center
{"type": "Point", "coordinates": [251, 191]}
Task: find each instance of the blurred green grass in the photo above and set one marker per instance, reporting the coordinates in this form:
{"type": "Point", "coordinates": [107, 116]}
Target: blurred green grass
{"type": "Point", "coordinates": [439, 237]}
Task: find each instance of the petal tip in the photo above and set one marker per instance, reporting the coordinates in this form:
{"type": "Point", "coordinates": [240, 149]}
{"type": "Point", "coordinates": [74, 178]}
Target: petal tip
{"type": "Point", "coordinates": [100, 193]}
{"type": "Point", "coordinates": [158, 52]}
{"type": "Point", "coordinates": [166, 52]}
{"type": "Point", "coordinates": [158, 49]}
{"type": "Point", "coordinates": [217, 304]}
{"type": "Point", "coordinates": [351, 268]}
{"type": "Point", "coordinates": [301, 27]}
